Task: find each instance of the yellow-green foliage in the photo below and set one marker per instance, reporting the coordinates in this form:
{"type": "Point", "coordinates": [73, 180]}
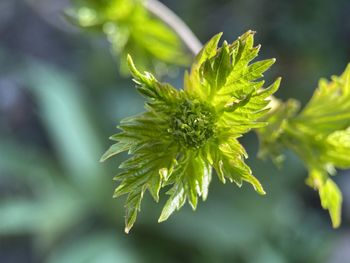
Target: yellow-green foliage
{"type": "Point", "coordinates": [319, 134]}
{"type": "Point", "coordinates": [185, 133]}
{"type": "Point", "coordinates": [131, 30]}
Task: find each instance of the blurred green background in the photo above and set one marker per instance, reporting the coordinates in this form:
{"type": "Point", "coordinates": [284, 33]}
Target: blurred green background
{"type": "Point", "coordinates": [61, 96]}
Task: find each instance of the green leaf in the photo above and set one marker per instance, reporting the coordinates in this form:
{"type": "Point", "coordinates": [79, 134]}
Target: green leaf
{"type": "Point", "coordinates": [256, 70]}
{"type": "Point", "coordinates": [113, 150]}
{"type": "Point", "coordinates": [208, 51]}
{"type": "Point", "coordinates": [339, 148]}
{"type": "Point", "coordinates": [221, 68]}
{"type": "Point", "coordinates": [191, 179]}
{"type": "Point", "coordinates": [175, 202]}
{"type": "Point", "coordinates": [233, 168]}
{"type": "Point", "coordinates": [330, 195]}
{"type": "Point", "coordinates": [331, 199]}
{"type": "Point", "coordinates": [129, 28]}
{"type": "Point", "coordinates": [271, 136]}
{"type": "Point", "coordinates": [270, 89]}
{"type": "Point", "coordinates": [329, 108]}
{"type": "Point", "coordinates": [319, 135]}
{"type": "Point", "coordinates": [150, 87]}
{"type": "Point", "coordinates": [185, 133]}
{"type": "Point", "coordinates": [193, 79]}
{"type": "Point", "coordinates": [133, 206]}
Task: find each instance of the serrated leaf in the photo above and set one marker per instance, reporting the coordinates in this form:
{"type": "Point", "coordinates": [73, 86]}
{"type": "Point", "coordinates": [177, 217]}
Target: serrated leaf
{"type": "Point", "coordinates": [175, 202]}
{"type": "Point", "coordinates": [222, 67]}
{"type": "Point", "coordinates": [270, 89]}
{"type": "Point", "coordinates": [191, 80]}
{"type": "Point", "coordinates": [331, 199]}
{"type": "Point", "coordinates": [208, 51]}
{"type": "Point", "coordinates": [150, 87]}
{"type": "Point", "coordinates": [256, 70]}
{"type": "Point", "coordinates": [133, 206]}
{"type": "Point", "coordinates": [319, 135]}
{"type": "Point", "coordinates": [186, 133]}
{"type": "Point", "coordinates": [154, 185]}
{"type": "Point", "coordinates": [330, 195]}
{"type": "Point", "coordinates": [338, 148]}
{"type": "Point", "coordinates": [114, 150]}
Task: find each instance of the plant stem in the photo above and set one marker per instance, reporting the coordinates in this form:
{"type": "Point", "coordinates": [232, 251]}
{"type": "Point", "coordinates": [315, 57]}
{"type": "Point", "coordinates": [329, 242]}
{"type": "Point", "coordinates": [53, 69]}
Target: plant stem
{"type": "Point", "coordinates": [173, 21]}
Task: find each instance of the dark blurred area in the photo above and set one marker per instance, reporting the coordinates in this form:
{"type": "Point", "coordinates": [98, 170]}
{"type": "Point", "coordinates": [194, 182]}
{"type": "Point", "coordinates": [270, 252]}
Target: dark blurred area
{"type": "Point", "coordinates": [61, 97]}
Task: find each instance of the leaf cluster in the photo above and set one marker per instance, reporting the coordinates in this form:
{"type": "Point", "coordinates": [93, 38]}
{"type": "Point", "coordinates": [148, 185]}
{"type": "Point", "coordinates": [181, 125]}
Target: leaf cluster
{"type": "Point", "coordinates": [319, 134]}
{"type": "Point", "coordinates": [130, 29]}
{"type": "Point", "coordinates": [185, 133]}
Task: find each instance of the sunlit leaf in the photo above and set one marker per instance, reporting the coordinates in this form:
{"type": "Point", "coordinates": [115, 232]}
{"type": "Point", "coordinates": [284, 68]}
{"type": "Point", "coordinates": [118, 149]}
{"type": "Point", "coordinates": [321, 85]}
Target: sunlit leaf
{"type": "Point", "coordinates": [184, 133]}
{"type": "Point", "coordinates": [319, 134]}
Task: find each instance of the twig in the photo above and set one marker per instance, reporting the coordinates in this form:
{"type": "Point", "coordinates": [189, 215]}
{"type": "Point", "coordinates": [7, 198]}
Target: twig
{"type": "Point", "coordinates": [172, 20]}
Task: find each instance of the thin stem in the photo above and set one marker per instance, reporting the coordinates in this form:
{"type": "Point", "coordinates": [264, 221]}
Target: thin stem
{"type": "Point", "coordinates": [172, 20]}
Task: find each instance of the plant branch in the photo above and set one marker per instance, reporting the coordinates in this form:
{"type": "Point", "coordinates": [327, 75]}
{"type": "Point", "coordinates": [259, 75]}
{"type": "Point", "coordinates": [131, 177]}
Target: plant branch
{"type": "Point", "coordinates": [173, 21]}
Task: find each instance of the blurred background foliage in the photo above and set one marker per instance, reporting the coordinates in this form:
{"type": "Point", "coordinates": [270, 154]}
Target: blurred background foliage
{"type": "Point", "coordinates": [130, 29]}
{"type": "Point", "coordinates": [61, 96]}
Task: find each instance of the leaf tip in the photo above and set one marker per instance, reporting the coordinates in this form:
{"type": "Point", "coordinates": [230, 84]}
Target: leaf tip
{"type": "Point", "coordinates": [336, 223]}
{"type": "Point", "coordinates": [131, 66]}
{"type": "Point", "coordinates": [129, 60]}
{"type": "Point", "coordinates": [262, 192]}
{"type": "Point", "coordinates": [161, 219]}
{"type": "Point", "coordinates": [104, 157]}
{"type": "Point", "coordinates": [259, 188]}
{"type": "Point", "coordinates": [219, 35]}
{"type": "Point", "coordinates": [127, 229]}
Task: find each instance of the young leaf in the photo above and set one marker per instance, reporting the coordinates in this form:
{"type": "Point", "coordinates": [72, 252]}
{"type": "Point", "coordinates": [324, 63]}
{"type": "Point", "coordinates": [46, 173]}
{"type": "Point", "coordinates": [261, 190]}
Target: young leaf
{"type": "Point", "coordinates": [133, 206]}
{"type": "Point", "coordinates": [130, 29]}
{"type": "Point", "coordinates": [330, 195]}
{"type": "Point", "coordinates": [331, 199]}
{"type": "Point", "coordinates": [176, 200]}
{"type": "Point", "coordinates": [319, 134]}
{"type": "Point", "coordinates": [186, 133]}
